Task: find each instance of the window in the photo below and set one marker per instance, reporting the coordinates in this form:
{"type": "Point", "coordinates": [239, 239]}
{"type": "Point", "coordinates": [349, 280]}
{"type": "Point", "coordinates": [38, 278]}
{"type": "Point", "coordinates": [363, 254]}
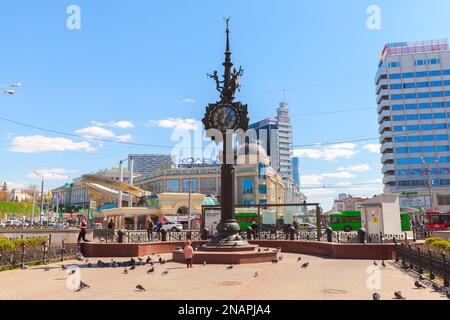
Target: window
{"type": "Point", "coordinates": [447, 93]}
{"type": "Point", "coordinates": [422, 95]}
{"type": "Point", "coordinates": [414, 138]}
{"type": "Point", "coordinates": [425, 116]}
{"type": "Point", "coordinates": [247, 186]}
{"type": "Point", "coordinates": [442, 148]}
{"type": "Point", "coordinates": [434, 61]}
{"type": "Point", "coordinates": [398, 118]}
{"type": "Point", "coordinates": [402, 160]}
{"type": "Point", "coordinates": [424, 105]}
{"type": "Point", "coordinates": [426, 127]}
{"type": "Point", "coordinates": [428, 149]}
{"type": "Point", "coordinates": [262, 171]}
{"type": "Point", "coordinates": [422, 84]}
{"type": "Point", "coordinates": [410, 96]}
{"type": "Point", "coordinates": [420, 62]}
{"type": "Point", "coordinates": [439, 116]}
{"type": "Point", "coordinates": [412, 117]}
{"type": "Point", "coordinates": [435, 73]}
{"type": "Point", "coordinates": [428, 138]}
{"type": "Point", "coordinates": [396, 97]}
{"type": "Point", "coordinates": [397, 107]}
{"type": "Point", "coordinates": [399, 128]}
{"type": "Point", "coordinates": [446, 82]}
{"type": "Point", "coordinates": [411, 85]}
{"type": "Point", "coordinates": [173, 185]}
{"type": "Point", "coordinates": [446, 72]}
{"type": "Point", "coordinates": [396, 86]}
{"type": "Point", "coordinates": [404, 183]}
{"type": "Point", "coordinates": [401, 139]}
{"type": "Point", "coordinates": [414, 127]}
{"type": "Point", "coordinates": [435, 83]}
{"type": "Point", "coordinates": [395, 76]}
{"type": "Point", "coordinates": [394, 64]}
{"type": "Point", "coordinates": [411, 106]}
{"type": "Point", "coordinates": [443, 199]}
{"type": "Point", "coordinates": [262, 189]}
{"type": "Point", "coordinates": [194, 185]}
{"type": "Point", "coordinates": [415, 160]}
{"type": "Point", "coordinates": [208, 186]}
{"type": "Point", "coordinates": [401, 150]}
{"type": "Point", "coordinates": [415, 149]}
{"type": "Point", "coordinates": [441, 137]}
{"type": "Point", "coordinates": [437, 94]}
{"type": "Point", "coordinates": [440, 126]}
{"type": "Point", "coordinates": [437, 105]}
{"type": "Point", "coordinates": [421, 74]}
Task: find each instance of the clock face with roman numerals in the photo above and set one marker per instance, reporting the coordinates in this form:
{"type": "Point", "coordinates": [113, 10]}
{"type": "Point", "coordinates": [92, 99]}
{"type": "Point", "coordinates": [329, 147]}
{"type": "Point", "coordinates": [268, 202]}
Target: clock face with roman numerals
{"type": "Point", "coordinates": [224, 116]}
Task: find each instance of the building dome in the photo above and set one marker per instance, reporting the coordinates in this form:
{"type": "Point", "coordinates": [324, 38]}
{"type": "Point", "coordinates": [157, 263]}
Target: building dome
{"type": "Point", "coordinates": [252, 153]}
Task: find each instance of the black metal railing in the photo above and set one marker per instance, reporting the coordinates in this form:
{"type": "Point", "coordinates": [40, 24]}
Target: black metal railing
{"type": "Point", "coordinates": [143, 236]}
{"type": "Point", "coordinates": [419, 260]}
{"type": "Point", "coordinates": [24, 255]}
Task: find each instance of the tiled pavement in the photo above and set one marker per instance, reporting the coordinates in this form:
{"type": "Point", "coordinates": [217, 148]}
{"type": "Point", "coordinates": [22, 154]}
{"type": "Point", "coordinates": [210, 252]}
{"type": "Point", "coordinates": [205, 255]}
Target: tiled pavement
{"type": "Point", "coordinates": [324, 279]}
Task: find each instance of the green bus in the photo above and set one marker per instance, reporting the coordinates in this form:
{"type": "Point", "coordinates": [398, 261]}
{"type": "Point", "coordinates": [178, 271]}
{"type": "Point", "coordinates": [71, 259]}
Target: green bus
{"type": "Point", "coordinates": [245, 219]}
{"type": "Point", "coordinates": [351, 220]}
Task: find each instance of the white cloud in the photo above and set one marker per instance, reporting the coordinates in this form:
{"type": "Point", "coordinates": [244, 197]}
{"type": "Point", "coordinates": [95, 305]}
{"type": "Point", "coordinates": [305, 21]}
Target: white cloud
{"type": "Point", "coordinates": [341, 150]}
{"type": "Point", "coordinates": [375, 181]}
{"type": "Point", "coordinates": [124, 138]}
{"type": "Point", "coordinates": [188, 100]}
{"type": "Point", "coordinates": [373, 148]}
{"type": "Point", "coordinates": [339, 175]}
{"type": "Point", "coordinates": [310, 180]}
{"type": "Point", "coordinates": [356, 168]}
{"type": "Point", "coordinates": [188, 124]}
{"type": "Point", "coordinates": [95, 132]}
{"type": "Point", "coordinates": [38, 143]}
{"type": "Point", "coordinates": [52, 174]}
{"type": "Point", "coordinates": [319, 193]}
{"type": "Point", "coordinates": [123, 124]}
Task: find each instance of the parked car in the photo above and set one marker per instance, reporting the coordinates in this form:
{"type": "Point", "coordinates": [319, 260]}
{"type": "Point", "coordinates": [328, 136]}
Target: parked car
{"type": "Point", "coordinates": [170, 226]}
{"type": "Point", "coordinates": [306, 227]}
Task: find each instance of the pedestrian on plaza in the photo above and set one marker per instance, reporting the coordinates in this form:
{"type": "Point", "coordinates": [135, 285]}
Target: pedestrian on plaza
{"type": "Point", "coordinates": [111, 228]}
{"type": "Point", "coordinates": [83, 227]}
{"type": "Point", "coordinates": [158, 226]}
{"type": "Point", "coordinates": [149, 229]}
{"type": "Point", "coordinates": [188, 253]}
{"type": "Point", "coordinates": [255, 230]}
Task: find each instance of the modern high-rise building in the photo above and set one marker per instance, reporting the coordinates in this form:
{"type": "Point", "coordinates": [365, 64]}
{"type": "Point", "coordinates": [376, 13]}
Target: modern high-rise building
{"type": "Point", "coordinates": [149, 163]}
{"type": "Point", "coordinates": [275, 134]}
{"type": "Point", "coordinates": [413, 97]}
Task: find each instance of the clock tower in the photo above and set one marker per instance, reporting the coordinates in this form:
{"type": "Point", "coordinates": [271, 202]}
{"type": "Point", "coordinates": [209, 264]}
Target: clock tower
{"type": "Point", "coordinates": [226, 116]}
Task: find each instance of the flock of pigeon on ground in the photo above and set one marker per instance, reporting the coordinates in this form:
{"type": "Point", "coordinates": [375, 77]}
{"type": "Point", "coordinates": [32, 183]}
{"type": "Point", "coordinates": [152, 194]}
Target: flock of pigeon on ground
{"type": "Point", "coordinates": [420, 282]}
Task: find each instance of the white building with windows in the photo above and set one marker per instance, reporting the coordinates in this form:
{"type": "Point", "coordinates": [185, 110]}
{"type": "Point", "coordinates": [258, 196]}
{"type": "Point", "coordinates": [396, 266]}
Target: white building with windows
{"type": "Point", "coordinates": [413, 97]}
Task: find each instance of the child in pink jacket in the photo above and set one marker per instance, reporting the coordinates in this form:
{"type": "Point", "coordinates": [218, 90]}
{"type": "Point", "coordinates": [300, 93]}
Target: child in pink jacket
{"type": "Point", "coordinates": [188, 253]}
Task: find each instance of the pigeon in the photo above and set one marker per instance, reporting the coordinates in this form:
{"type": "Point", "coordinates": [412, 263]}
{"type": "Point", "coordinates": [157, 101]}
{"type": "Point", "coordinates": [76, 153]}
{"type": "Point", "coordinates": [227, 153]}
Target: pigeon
{"type": "Point", "coordinates": [125, 271]}
{"type": "Point", "coordinates": [140, 287]}
{"type": "Point", "coordinates": [63, 267]}
{"type": "Point", "coordinates": [376, 296]}
{"type": "Point", "coordinates": [305, 265]}
{"type": "Point", "coordinates": [152, 269]}
{"type": "Point", "coordinates": [421, 277]}
{"type": "Point", "coordinates": [149, 260]}
{"type": "Point", "coordinates": [72, 272]}
{"type": "Point", "coordinates": [435, 287]}
{"type": "Point", "coordinates": [230, 267]}
{"type": "Point", "coordinates": [204, 263]}
{"type": "Point", "coordinates": [256, 274]}
{"type": "Point", "coordinates": [398, 295]}
{"type": "Point", "coordinates": [383, 264]}
{"type": "Point", "coordinates": [299, 259]}
{"type": "Point", "coordinates": [163, 261]}
{"type": "Point", "coordinates": [132, 267]}
{"type": "Point", "coordinates": [419, 285]}
{"type": "Point", "coordinates": [259, 249]}
{"type": "Point", "coordinates": [266, 249]}
{"type": "Point", "coordinates": [165, 273]}
{"type": "Point", "coordinates": [47, 268]}
{"type": "Point", "coordinates": [84, 285]}
{"type": "Point", "coordinates": [89, 265]}
{"type": "Point", "coordinates": [80, 257]}
{"type": "Point", "coordinates": [275, 260]}
{"type": "Point", "coordinates": [140, 259]}
{"type": "Point", "coordinates": [375, 263]}
{"type": "Point", "coordinates": [280, 257]}
{"type": "Point", "coordinates": [234, 245]}
{"type": "Point", "coordinates": [160, 260]}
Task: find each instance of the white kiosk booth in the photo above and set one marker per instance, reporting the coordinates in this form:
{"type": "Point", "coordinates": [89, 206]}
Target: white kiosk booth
{"type": "Point", "coordinates": [381, 214]}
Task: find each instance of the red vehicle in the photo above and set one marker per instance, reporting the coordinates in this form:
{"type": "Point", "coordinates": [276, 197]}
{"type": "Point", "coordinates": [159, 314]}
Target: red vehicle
{"type": "Point", "coordinates": [435, 220]}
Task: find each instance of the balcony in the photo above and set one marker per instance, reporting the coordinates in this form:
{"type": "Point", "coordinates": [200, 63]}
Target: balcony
{"type": "Point", "coordinates": [383, 104]}
{"type": "Point", "coordinates": [387, 157]}
{"type": "Point", "coordinates": [386, 146]}
{"type": "Point", "coordinates": [385, 114]}
{"type": "Point", "coordinates": [385, 125]}
{"type": "Point", "coordinates": [385, 135]}
{"type": "Point", "coordinates": [388, 168]}
{"type": "Point", "coordinates": [388, 179]}
{"type": "Point", "coordinates": [382, 82]}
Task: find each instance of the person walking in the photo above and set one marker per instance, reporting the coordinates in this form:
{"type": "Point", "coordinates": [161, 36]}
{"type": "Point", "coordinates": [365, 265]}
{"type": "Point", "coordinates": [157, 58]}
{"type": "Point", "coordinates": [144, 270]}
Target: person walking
{"type": "Point", "coordinates": [111, 229]}
{"type": "Point", "coordinates": [158, 226]}
{"type": "Point", "coordinates": [255, 230]}
{"type": "Point", "coordinates": [83, 227]}
{"type": "Point", "coordinates": [188, 253]}
{"type": "Point", "coordinates": [150, 229]}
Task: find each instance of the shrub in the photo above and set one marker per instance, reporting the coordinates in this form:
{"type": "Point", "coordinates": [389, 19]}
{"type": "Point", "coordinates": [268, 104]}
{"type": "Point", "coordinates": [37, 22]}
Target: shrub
{"type": "Point", "coordinates": [432, 240]}
{"type": "Point", "coordinates": [14, 244]}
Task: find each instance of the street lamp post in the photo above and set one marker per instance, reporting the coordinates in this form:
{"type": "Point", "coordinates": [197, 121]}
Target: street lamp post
{"type": "Point", "coordinates": [42, 195]}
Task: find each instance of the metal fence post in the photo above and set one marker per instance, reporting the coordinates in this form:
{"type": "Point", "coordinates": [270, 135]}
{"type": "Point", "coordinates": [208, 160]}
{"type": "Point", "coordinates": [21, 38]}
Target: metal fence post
{"type": "Point", "coordinates": [22, 255]}
{"type": "Point", "coordinates": [44, 252]}
{"type": "Point", "coordinates": [430, 261]}
{"type": "Point", "coordinates": [410, 257]}
{"type": "Point", "coordinates": [445, 269]}
{"type": "Point", "coordinates": [62, 250]}
{"type": "Point", "coordinates": [49, 239]}
{"type": "Point", "coordinates": [419, 263]}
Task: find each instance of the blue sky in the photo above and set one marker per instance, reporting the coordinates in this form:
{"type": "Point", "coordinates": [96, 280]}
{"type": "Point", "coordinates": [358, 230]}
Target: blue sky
{"type": "Point", "coordinates": [145, 62]}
